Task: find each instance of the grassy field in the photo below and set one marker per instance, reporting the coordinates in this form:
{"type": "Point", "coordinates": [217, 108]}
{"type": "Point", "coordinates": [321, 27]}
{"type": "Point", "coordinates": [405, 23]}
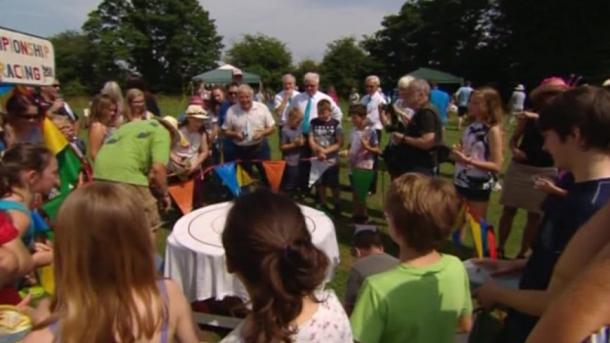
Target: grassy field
{"type": "Point", "coordinates": [176, 105]}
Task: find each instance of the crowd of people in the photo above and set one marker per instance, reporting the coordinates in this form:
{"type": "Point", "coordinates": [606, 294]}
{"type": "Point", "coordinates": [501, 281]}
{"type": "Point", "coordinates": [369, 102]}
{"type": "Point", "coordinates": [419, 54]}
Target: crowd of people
{"type": "Point", "coordinates": [101, 244]}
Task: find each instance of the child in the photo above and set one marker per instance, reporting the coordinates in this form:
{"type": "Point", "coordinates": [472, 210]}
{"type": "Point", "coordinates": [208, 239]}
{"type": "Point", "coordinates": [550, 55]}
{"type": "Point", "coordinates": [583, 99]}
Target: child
{"type": "Point", "coordinates": [367, 247]}
{"type": "Point", "coordinates": [291, 145]}
{"type": "Point", "coordinates": [364, 145]}
{"type": "Point", "coordinates": [269, 247]}
{"type": "Point", "coordinates": [325, 141]}
{"type": "Point", "coordinates": [480, 155]}
{"type": "Point", "coordinates": [426, 298]}
{"type": "Point", "coordinates": [91, 277]}
{"type": "Point", "coordinates": [575, 128]}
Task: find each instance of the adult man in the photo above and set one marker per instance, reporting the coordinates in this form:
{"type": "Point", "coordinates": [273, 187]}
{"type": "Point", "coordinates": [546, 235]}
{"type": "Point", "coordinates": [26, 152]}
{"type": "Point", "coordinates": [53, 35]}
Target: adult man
{"type": "Point", "coordinates": [136, 155]}
{"type": "Point", "coordinates": [247, 125]}
{"type": "Point", "coordinates": [307, 101]}
{"type": "Point", "coordinates": [440, 99]}
{"type": "Point", "coordinates": [462, 97]}
{"type": "Point", "coordinates": [282, 100]}
{"type": "Point", "coordinates": [423, 134]}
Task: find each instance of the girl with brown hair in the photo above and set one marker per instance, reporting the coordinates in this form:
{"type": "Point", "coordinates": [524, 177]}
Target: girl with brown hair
{"type": "Point", "coordinates": [110, 294]}
{"type": "Point", "coordinates": [136, 105]}
{"type": "Point", "coordinates": [103, 117]}
{"type": "Point", "coordinates": [479, 156]}
{"type": "Point", "coordinates": [269, 248]}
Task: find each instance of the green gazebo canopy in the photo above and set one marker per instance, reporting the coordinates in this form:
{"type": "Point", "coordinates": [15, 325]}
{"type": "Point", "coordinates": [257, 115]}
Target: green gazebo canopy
{"type": "Point", "coordinates": [225, 76]}
{"type": "Point", "coordinates": [436, 76]}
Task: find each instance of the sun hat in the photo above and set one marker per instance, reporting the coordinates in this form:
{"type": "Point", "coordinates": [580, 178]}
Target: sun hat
{"type": "Point", "coordinates": [237, 71]}
{"type": "Point", "coordinates": [606, 83]}
{"type": "Point", "coordinates": [196, 111]}
{"type": "Point", "coordinates": [171, 124]}
{"type": "Point", "coordinates": [520, 87]}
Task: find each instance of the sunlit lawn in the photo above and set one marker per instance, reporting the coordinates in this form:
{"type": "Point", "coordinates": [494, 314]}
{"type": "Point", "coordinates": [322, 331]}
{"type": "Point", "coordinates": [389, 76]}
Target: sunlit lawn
{"type": "Point", "coordinates": [176, 105]}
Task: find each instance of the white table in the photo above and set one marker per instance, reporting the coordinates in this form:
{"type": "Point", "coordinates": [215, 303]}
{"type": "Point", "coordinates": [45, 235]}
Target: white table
{"type": "Point", "coordinates": [195, 258]}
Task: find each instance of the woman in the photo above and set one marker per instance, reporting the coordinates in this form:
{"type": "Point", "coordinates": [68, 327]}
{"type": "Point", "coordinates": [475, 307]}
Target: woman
{"type": "Point", "coordinates": [112, 89]}
{"type": "Point", "coordinates": [399, 114]}
{"type": "Point", "coordinates": [136, 106]}
{"type": "Point", "coordinates": [269, 248]}
{"type": "Point", "coordinates": [102, 118]}
{"type": "Point", "coordinates": [23, 121]}
{"type": "Point", "coordinates": [479, 156]}
{"type": "Point", "coordinates": [529, 162]}
{"type": "Point", "coordinates": [118, 286]}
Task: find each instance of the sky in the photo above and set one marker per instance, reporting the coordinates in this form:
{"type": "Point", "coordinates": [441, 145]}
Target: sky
{"type": "Point", "coordinates": [306, 26]}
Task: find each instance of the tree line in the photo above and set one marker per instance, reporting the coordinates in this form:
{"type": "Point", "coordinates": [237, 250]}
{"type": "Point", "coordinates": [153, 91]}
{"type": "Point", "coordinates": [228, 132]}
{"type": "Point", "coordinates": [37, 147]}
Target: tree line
{"type": "Point", "coordinates": [486, 41]}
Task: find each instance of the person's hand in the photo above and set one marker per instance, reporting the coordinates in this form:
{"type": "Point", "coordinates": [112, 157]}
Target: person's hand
{"type": "Point", "coordinates": [459, 156]}
{"type": "Point", "coordinates": [365, 143]}
{"type": "Point", "coordinates": [321, 155]}
{"type": "Point", "coordinates": [240, 136]}
{"type": "Point", "coordinates": [397, 137]}
{"type": "Point", "coordinates": [166, 202]}
{"type": "Point", "coordinates": [343, 153]}
{"type": "Point", "coordinates": [258, 134]}
{"type": "Point", "coordinates": [527, 115]}
{"type": "Point", "coordinates": [300, 141]}
{"type": "Point", "coordinates": [37, 314]}
{"type": "Point", "coordinates": [498, 267]}
{"type": "Point", "coordinates": [42, 255]}
{"type": "Point", "coordinates": [57, 104]}
{"type": "Point", "coordinates": [546, 185]}
{"type": "Point", "coordinates": [519, 155]}
{"type": "Point", "coordinates": [488, 294]}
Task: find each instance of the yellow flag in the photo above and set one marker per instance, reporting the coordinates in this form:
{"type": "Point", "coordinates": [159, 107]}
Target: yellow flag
{"type": "Point", "coordinates": [475, 229]}
{"type": "Point", "coordinates": [54, 140]}
{"type": "Point", "coordinates": [243, 179]}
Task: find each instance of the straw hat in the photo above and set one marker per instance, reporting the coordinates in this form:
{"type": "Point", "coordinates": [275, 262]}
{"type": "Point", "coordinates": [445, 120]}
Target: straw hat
{"type": "Point", "coordinates": [171, 124]}
{"type": "Point", "coordinates": [196, 111]}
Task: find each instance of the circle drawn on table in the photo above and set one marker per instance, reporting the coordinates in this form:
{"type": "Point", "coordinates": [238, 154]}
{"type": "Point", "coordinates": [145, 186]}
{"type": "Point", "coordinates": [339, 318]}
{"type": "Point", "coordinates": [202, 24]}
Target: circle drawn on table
{"type": "Point", "coordinates": [206, 227]}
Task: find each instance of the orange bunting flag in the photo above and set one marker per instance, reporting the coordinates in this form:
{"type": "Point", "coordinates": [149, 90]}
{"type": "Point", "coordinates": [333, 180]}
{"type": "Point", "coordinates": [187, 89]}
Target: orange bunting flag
{"type": "Point", "coordinates": [182, 193]}
{"type": "Point", "coordinates": [274, 171]}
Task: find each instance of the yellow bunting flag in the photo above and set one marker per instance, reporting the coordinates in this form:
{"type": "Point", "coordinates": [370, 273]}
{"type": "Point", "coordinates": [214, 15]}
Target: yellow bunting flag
{"type": "Point", "coordinates": [243, 178]}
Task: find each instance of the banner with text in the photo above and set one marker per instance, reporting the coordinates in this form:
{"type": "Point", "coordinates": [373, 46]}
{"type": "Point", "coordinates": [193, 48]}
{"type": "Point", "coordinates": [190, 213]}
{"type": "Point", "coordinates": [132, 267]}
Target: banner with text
{"type": "Point", "coordinates": [25, 59]}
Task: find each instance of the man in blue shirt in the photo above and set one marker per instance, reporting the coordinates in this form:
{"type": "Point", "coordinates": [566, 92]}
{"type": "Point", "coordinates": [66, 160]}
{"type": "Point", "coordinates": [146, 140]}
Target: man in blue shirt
{"type": "Point", "coordinates": [440, 100]}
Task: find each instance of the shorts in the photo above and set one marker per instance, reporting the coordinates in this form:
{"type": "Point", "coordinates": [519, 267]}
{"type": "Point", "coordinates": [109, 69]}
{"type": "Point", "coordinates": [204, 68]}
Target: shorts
{"type": "Point", "coordinates": [478, 195]}
{"type": "Point", "coordinates": [148, 203]}
{"type": "Point", "coordinates": [462, 110]}
{"type": "Point", "coordinates": [330, 178]}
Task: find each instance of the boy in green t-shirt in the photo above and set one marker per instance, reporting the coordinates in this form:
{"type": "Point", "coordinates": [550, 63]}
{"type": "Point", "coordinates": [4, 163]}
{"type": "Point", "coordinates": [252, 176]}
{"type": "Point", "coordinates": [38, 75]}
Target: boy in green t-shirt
{"type": "Point", "coordinates": [427, 297]}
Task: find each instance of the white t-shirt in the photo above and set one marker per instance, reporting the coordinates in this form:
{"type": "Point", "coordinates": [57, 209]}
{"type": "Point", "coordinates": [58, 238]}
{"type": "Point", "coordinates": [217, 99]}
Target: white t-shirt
{"type": "Point", "coordinates": [301, 100]}
{"type": "Point", "coordinates": [277, 101]}
{"type": "Point", "coordinates": [257, 118]}
{"type": "Point", "coordinates": [328, 325]}
{"type": "Point", "coordinates": [372, 108]}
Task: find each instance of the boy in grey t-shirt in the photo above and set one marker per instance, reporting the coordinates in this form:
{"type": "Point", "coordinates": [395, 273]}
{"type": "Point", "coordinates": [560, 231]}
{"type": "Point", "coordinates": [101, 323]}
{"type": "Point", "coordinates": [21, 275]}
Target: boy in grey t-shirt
{"type": "Point", "coordinates": [368, 248]}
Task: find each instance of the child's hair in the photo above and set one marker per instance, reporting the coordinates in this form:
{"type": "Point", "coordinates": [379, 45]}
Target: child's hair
{"type": "Point", "coordinates": [366, 239]}
{"type": "Point", "coordinates": [92, 279]}
{"type": "Point", "coordinates": [357, 110]}
{"type": "Point", "coordinates": [17, 105]}
{"type": "Point", "coordinates": [493, 103]}
{"type": "Point", "coordinates": [324, 105]}
{"type": "Point", "coordinates": [20, 158]}
{"type": "Point", "coordinates": [132, 93]}
{"type": "Point", "coordinates": [100, 103]}
{"type": "Point", "coordinates": [268, 244]}
{"type": "Point", "coordinates": [113, 90]}
{"type": "Point", "coordinates": [586, 108]}
{"type": "Point", "coordinates": [294, 113]}
{"type": "Point", "coordinates": [422, 209]}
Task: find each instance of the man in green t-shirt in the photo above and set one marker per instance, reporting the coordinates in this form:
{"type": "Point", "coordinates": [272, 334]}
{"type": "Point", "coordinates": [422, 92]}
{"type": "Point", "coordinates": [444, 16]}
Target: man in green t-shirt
{"type": "Point", "coordinates": [426, 298]}
{"type": "Point", "coordinates": [136, 155]}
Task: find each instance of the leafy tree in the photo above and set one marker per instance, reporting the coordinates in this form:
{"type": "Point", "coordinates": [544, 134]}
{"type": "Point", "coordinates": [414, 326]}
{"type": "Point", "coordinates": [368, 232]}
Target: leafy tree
{"type": "Point", "coordinates": [263, 55]}
{"type": "Point", "coordinates": [73, 61]}
{"type": "Point", "coordinates": [167, 41]}
{"type": "Point", "coordinates": [344, 65]}
{"type": "Point", "coordinates": [305, 66]}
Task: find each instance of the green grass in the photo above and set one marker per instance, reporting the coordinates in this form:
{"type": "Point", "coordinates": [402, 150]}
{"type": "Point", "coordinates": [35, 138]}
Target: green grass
{"type": "Point", "coordinates": [176, 105]}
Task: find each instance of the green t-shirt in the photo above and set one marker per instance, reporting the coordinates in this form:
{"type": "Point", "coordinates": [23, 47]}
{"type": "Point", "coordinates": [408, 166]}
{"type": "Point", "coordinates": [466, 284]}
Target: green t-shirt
{"type": "Point", "coordinates": [408, 304]}
{"type": "Point", "coordinates": [129, 153]}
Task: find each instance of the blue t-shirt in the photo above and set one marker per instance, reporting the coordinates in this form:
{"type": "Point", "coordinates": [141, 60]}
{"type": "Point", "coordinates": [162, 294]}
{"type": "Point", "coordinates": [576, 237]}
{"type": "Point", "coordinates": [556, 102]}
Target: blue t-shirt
{"type": "Point", "coordinates": [440, 100]}
{"type": "Point", "coordinates": [222, 112]}
{"type": "Point", "coordinates": [563, 217]}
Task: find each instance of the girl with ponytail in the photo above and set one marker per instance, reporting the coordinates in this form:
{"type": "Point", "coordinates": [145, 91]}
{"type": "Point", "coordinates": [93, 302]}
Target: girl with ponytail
{"type": "Point", "coordinates": [269, 248]}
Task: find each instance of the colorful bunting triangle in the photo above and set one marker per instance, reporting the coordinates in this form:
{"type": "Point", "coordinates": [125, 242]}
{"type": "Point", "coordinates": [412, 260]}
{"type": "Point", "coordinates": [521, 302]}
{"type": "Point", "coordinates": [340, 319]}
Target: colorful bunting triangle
{"type": "Point", "coordinates": [274, 171]}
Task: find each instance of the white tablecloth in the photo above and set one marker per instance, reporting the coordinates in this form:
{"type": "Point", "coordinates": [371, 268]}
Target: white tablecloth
{"type": "Point", "coordinates": [195, 258]}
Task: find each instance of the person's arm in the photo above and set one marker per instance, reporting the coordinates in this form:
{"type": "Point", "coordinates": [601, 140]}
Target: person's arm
{"type": "Point", "coordinates": [202, 155]}
{"type": "Point", "coordinates": [371, 144]}
{"type": "Point", "coordinates": [335, 147]}
{"type": "Point", "coordinates": [313, 145]}
{"type": "Point", "coordinates": [496, 156]}
{"type": "Point", "coordinates": [513, 143]}
{"type": "Point", "coordinates": [336, 111]}
{"type": "Point", "coordinates": [97, 132]}
{"type": "Point", "coordinates": [280, 104]}
{"type": "Point", "coordinates": [354, 281]}
{"type": "Point", "coordinates": [581, 309]}
{"type": "Point", "coordinates": [160, 152]}
{"type": "Point", "coordinates": [528, 301]}
{"type": "Point", "coordinates": [229, 130]}
{"type": "Point", "coordinates": [186, 331]}
{"type": "Point", "coordinates": [425, 142]}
